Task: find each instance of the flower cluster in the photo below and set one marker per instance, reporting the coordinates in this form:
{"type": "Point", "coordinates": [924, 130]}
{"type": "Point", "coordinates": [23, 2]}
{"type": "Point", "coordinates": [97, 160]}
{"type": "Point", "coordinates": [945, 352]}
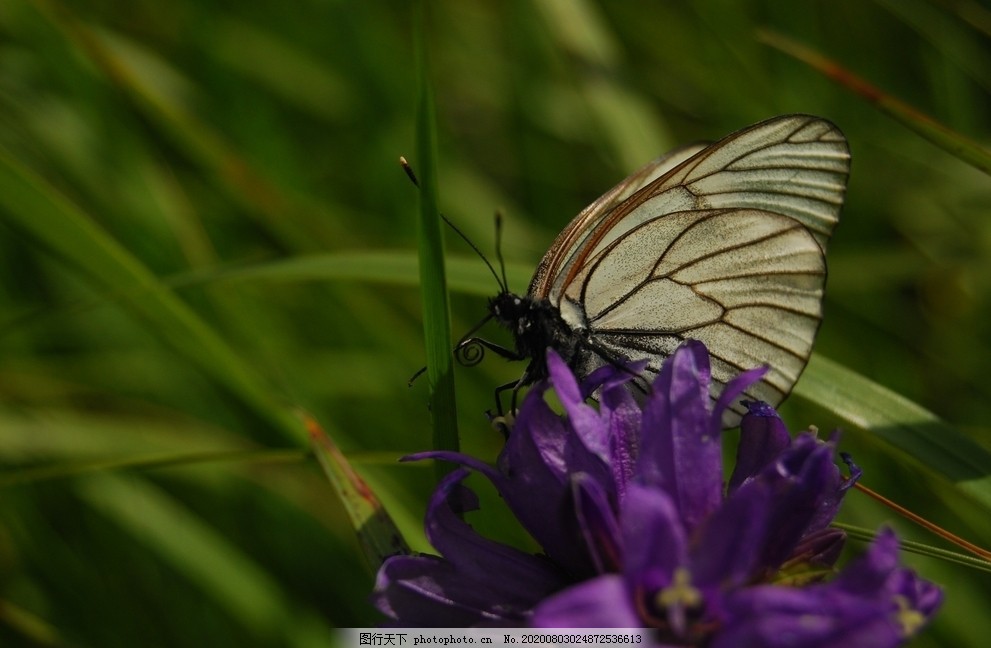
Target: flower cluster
{"type": "Point", "coordinates": [638, 529]}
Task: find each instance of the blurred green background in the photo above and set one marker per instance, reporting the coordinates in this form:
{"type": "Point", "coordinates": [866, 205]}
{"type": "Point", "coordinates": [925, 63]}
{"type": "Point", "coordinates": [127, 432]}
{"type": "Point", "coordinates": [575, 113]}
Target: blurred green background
{"type": "Point", "coordinates": [196, 200]}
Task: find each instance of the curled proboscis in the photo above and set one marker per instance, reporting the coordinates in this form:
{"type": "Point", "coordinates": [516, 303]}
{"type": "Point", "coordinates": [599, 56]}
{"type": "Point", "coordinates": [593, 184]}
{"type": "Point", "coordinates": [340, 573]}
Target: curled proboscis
{"type": "Point", "coordinates": [469, 352]}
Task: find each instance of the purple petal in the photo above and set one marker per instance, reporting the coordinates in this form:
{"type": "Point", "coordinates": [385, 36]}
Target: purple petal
{"type": "Point", "coordinates": [820, 548]}
{"type": "Point", "coordinates": [653, 538]}
{"type": "Point", "coordinates": [732, 391]}
{"type": "Point", "coordinates": [429, 592]}
{"type": "Point", "coordinates": [730, 544]}
{"type": "Point", "coordinates": [585, 420]}
{"type": "Point", "coordinates": [508, 572]}
{"type": "Point", "coordinates": [478, 582]}
{"type": "Point", "coordinates": [763, 436]}
{"type": "Point", "coordinates": [622, 418]}
{"type": "Point", "coordinates": [598, 523]}
{"type": "Point", "coordinates": [535, 467]}
{"type": "Point", "coordinates": [563, 379]}
{"type": "Point", "coordinates": [533, 479]}
{"type": "Point", "coordinates": [610, 376]}
{"type": "Point", "coordinates": [871, 604]}
{"type": "Point", "coordinates": [804, 481]}
{"type": "Point", "coordinates": [603, 602]}
{"type": "Point", "coordinates": [876, 573]}
{"type": "Point", "coordinates": [679, 452]}
{"type": "Point", "coordinates": [811, 617]}
{"type": "Point", "coordinates": [456, 458]}
{"type": "Point", "coordinates": [919, 594]}
{"type": "Point", "coordinates": [871, 570]}
{"type": "Point", "coordinates": [830, 482]}
{"type": "Point", "coordinates": [855, 471]}
{"type": "Point", "coordinates": [537, 442]}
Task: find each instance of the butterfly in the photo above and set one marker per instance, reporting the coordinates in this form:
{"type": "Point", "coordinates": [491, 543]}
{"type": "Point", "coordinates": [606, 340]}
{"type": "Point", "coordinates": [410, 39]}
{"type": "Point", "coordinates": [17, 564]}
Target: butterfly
{"type": "Point", "coordinates": [723, 243]}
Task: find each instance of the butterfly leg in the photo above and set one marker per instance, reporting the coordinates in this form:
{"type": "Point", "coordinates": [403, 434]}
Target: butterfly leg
{"type": "Point", "coordinates": [503, 421]}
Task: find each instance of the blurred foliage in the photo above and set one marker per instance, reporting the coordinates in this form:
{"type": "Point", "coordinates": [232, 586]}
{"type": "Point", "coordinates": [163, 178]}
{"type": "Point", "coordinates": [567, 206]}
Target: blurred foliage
{"type": "Point", "coordinates": [163, 164]}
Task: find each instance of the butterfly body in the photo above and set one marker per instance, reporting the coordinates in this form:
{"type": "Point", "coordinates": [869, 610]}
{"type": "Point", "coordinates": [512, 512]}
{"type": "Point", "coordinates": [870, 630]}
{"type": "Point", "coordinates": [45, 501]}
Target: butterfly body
{"type": "Point", "coordinates": [722, 243]}
{"type": "Point", "coordinates": [537, 325]}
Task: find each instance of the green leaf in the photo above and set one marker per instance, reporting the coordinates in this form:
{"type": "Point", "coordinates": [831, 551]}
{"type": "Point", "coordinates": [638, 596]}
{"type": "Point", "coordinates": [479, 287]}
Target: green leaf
{"type": "Point", "coordinates": [154, 89]}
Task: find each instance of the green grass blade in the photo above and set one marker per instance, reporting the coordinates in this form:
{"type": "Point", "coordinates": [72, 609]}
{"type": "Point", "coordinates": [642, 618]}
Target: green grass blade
{"type": "Point", "coordinates": [919, 434]}
{"type": "Point", "coordinates": [46, 217]}
{"type": "Point", "coordinates": [627, 123]}
{"type": "Point", "coordinates": [120, 64]}
{"type": "Point", "coordinates": [399, 268]}
{"type": "Point", "coordinates": [948, 140]}
{"type": "Point", "coordinates": [193, 548]}
{"type": "Point", "coordinates": [919, 548]}
{"type": "Point", "coordinates": [433, 284]}
{"type": "Point", "coordinates": [377, 533]}
{"type": "Point", "coordinates": [28, 626]}
{"type": "Point", "coordinates": [64, 469]}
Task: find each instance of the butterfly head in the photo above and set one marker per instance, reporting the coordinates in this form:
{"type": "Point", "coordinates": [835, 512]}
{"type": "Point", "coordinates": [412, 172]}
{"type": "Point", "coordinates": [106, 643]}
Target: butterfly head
{"type": "Point", "coordinates": [512, 312]}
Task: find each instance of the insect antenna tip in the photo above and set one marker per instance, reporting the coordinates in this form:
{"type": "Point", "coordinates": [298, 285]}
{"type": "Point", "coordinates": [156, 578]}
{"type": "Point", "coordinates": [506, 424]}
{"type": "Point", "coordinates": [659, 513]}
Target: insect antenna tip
{"type": "Point", "coordinates": [409, 170]}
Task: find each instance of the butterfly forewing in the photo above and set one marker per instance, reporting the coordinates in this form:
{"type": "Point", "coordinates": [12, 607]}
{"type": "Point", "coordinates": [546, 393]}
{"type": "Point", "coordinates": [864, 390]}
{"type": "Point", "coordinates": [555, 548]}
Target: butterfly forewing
{"type": "Point", "coordinates": [584, 225]}
{"type": "Point", "coordinates": [795, 165]}
{"type": "Point", "coordinates": [723, 244]}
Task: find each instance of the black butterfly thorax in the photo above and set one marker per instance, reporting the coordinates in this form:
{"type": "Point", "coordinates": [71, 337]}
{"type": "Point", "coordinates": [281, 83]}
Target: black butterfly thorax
{"type": "Point", "coordinates": [536, 325]}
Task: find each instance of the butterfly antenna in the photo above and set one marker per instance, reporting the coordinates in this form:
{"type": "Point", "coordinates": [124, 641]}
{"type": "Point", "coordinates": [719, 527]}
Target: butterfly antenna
{"type": "Point", "coordinates": [502, 284]}
{"type": "Point", "coordinates": [409, 171]}
{"type": "Point", "coordinates": [498, 248]}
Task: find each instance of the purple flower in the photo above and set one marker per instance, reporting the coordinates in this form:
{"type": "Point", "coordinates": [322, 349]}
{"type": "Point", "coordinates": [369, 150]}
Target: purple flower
{"type": "Point", "coordinates": [629, 505]}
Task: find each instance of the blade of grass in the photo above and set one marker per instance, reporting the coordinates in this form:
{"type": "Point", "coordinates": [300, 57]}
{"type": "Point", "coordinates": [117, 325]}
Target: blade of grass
{"type": "Point", "coordinates": [377, 533]}
{"type": "Point", "coordinates": [972, 13]}
{"type": "Point", "coordinates": [64, 469]}
{"type": "Point", "coordinates": [195, 549]}
{"type": "Point", "coordinates": [932, 444]}
{"type": "Point", "coordinates": [35, 208]}
{"type": "Point", "coordinates": [628, 123]}
{"type": "Point", "coordinates": [398, 268]}
{"type": "Point", "coordinates": [866, 535]}
{"type": "Point", "coordinates": [29, 626]}
{"type": "Point", "coordinates": [113, 57]}
{"type": "Point", "coordinates": [433, 284]}
{"type": "Point", "coordinates": [948, 140]}
{"type": "Point", "coordinates": [925, 523]}
{"type": "Point", "coordinates": [945, 34]}
{"type": "Point", "coordinates": [466, 275]}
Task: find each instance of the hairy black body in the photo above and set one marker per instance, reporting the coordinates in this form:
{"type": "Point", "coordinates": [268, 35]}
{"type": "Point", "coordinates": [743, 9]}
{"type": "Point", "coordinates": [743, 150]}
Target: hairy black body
{"type": "Point", "coordinates": [536, 325]}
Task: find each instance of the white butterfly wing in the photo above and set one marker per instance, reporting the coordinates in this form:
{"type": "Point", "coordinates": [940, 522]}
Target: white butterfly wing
{"type": "Point", "coordinates": [753, 297]}
{"type": "Point", "coordinates": [725, 246]}
{"type": "Point", "coordinates": [586, 222]}
{"type": "Point", "coordinates": [796, 165]}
